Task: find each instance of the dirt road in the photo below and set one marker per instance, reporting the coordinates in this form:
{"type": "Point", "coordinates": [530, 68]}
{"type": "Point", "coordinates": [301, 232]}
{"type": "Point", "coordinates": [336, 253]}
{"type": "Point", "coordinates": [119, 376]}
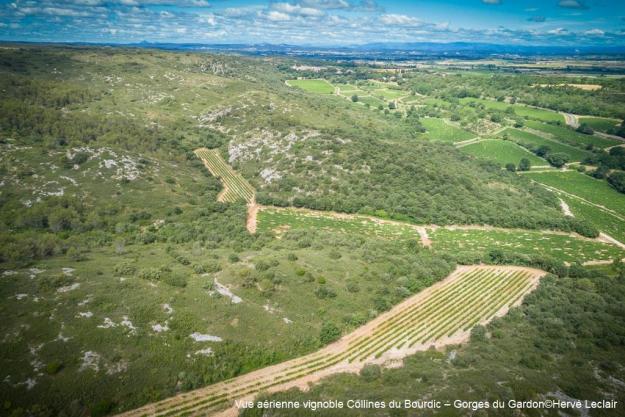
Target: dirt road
{"type": "Point", "coordinates": [570, 119]}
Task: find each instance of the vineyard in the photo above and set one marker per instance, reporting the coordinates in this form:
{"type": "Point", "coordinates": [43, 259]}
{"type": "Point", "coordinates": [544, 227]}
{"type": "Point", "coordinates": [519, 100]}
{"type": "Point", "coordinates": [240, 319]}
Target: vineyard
{"type": "Point", "coordinates": [442, 314]}
{"type": "Point", "coordinates": [236, 188]}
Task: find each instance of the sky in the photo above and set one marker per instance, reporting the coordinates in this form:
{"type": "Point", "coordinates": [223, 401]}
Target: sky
{"type": "Point", "coordinates": [316, 22]}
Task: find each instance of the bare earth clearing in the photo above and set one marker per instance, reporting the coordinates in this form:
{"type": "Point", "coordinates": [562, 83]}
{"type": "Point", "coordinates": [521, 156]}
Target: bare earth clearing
{"type": "Point", "coordinates": [440, 315]}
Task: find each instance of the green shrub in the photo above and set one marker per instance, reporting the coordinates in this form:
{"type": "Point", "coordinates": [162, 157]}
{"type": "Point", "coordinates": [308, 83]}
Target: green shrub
{"type": "Point", "coordinates": [152, 274]}
{"type": "Point", "coordinates": [124, 269]}
{"type": "Point", "coordinates": [325, 292]}
{"type": "Point", "coordinates": [371, 372]}
{"type": "Point", "coordinates": [176, 279]}
{"type": "Point", "coordinates": [261, 266]}
{"type": "Point", "coordinates": [329, 333]}
{"type": "Point", "coordinates": [212, 266]}
{"type": "Point", "coordinates": [54, 367]}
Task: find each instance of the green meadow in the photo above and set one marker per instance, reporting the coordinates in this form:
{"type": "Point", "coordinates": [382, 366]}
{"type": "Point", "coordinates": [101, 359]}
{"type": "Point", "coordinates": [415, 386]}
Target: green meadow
{"type": "Point", "coordinates": [313, 86]}
{"type": "Point", "coordinates": [502, 152]}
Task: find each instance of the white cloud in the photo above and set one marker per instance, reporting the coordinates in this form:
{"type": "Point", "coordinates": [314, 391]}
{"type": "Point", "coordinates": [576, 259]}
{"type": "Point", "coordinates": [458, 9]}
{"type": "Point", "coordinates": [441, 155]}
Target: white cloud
{"type": "Point", "coordinates": [557, 31]}
{"type": "Point", "coordinates": [326, 4]}
{"type": "Point", "coordinates": [400, 20]}
{"type": "Point", "coordinates": [276, 16]}
{"type": "Point", "coordinates": [52, 11]}
{"type": "Point", "coordinates": [571, 4]}
{"type": "Point", "coordinates": [209, 19]}
{"type": "Point", "coordinates": [594, 32]}
{"type": "Point", "coordinates": [297, 10]}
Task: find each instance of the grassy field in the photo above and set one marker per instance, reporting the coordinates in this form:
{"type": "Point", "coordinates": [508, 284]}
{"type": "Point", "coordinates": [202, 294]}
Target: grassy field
{"type": "Point", "coordinates": [561, 247]}
{"type": "Point", "coordinates": [313, 86]}
{"type": "Point", "coordinates": [236, 188]}
{"type": "Point", "coordinates": [584, 186]}
{"type": "Point", "coordinates": [519, 109]}
{"type": "Point", "coordinates": [388, 94]}
{"type": "Point", "coordinates": [603, 221]}
{"type": "Point", "coordinates": [599, 123]}
{"type": "Point", "coordinates": [281, 220]}
{"type": "Point", "coordinates": [372, 101]}
{"type": "Point", "coordinates": [502, 152]}
{"type": "Point", "coordinates": [533, 243]}
{"type": "Point", "coordinates": [439, 130]}
{"type": "Point", "coordinates": [347, 88]}
{"type": "Point", "coordinates": [522, 137]}
{"type": "Point", "coordinates": [568, 136]}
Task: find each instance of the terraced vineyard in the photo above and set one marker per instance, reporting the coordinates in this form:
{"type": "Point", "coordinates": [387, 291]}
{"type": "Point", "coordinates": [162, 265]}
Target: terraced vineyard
{"type": "Point", "coordinates": [236, 188]}
{"type": "Point", "coordinates": [442, 314]}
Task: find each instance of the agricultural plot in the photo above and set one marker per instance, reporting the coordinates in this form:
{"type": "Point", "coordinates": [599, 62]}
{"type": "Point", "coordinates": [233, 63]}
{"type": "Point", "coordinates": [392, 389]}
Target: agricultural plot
{"type": "Point", "coordinates": [502, 152]}
{"type": "Point", "coordinates": [236, 188]}
{"type": "Point", "coordinates": [602, 220]}
{"type": "Point", "coordinates": [569, 136]}
{"type": "Point", "coordinates": [439, 130]}
{"type": "Point", "coordinates": [372, 101]}
{"type": "Point", "coordinates": [277, 220]}
{"type": "Point", "coordinates": [601, 124]}
{"type": "Point", "coordinates": [439, 315]}
{"type": "Point", "coordinates": [555, 245]}
{"type": "Point", "coordinates": [527, 138]}
{"type": "Point", "coordinates": [313, 86]}
{"type": "Point", "coordinates": [585, 187]}
{"type": "Point", "coordinates": [519, 109]}
{"type": "Point", "coordinates": [436, 102]}
{"type": "Point", "coordinates": [347, 88]}
{"type": "Point", "coordinates": [389, 94]}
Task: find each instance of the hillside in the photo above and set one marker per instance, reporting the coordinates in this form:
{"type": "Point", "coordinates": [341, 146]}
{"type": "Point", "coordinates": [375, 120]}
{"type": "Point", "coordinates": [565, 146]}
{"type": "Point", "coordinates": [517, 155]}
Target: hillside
{"type": "Point", "coordinates": [130, 274]}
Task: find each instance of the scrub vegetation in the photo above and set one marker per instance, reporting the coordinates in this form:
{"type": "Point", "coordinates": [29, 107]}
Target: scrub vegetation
{"type": "Point", "coordinates": [130, 179]}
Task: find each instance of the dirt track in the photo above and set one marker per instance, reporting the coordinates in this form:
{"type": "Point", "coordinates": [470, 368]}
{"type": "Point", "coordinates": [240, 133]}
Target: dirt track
{"type": "Point", "coordinates": [571, 119]}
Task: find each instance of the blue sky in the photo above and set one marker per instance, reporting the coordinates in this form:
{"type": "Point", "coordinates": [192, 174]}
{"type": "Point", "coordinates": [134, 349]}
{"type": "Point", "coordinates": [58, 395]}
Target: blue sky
{"type": "Point", "coordinates": [316, 22]}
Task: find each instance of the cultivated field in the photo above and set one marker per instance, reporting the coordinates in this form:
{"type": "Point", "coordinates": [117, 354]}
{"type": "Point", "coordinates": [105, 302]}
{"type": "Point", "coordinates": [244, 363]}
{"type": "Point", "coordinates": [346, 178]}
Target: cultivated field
{"type": "Point", "coordinates": [569, 136]}
{"type": "Point", "coordinates": [527, 138]}
{"type": "Point", "coordinates": [502, 152]}
{"type": "Point", "coordinates": [560, 246]}
{"type": "Point", "coordinates": [465, 239]}
{"type": "Point", "coordinates": [388, 94]}
{"type": "Point", "coordinates": [313, 86]}
{"type": "Point", "coordinates": [605, 221]}
{"type": "Point", "coordinates": [443, 314]}
{"type": "Point", "coordinates": [584, 187]}
{"type": "Point", "coordinates": [279, 220]}
{"type": "Point", "coordinates": [519, 109]}
{"type": "Point", "coordinates": [438, 129]}
{"type": "Point", "coordinates": [601, 124]}
{"type": "Point", "coordinates": [236, 188]}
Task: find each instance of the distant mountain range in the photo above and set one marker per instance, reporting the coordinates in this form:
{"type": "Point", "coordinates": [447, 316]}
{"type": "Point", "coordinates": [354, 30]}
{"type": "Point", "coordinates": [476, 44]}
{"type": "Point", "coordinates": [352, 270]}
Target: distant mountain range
{"type": "Point", "coordinates": [393, 50]}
